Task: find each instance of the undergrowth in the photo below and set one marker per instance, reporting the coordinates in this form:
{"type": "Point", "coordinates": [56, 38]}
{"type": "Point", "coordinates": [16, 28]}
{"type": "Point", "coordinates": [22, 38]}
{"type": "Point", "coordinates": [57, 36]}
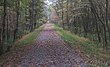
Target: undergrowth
{"type": "Point", "coordinates": [27, 39]}
{"type": "Point", "coordinates": [85, 45]}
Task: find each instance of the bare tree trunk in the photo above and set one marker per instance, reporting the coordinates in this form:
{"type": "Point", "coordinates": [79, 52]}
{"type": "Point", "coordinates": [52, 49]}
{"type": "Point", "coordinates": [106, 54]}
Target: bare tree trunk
{"type": "Point", "coordinates": [17, 21]}
{"type": "Point", "coordinates": [31, 11]}
{"type": "Point", "coordinates": [3, 27]}
{"type": "Point", "coordinates": [97, 18]}
{"type": "Point", "coordinates": [62, 15]}
{"type": "Point", "coordinates": [107, 25]}
{"type": "Point", "coordinates": [67, 14]}
{"type": "Point", "coordinates": [107, 20]}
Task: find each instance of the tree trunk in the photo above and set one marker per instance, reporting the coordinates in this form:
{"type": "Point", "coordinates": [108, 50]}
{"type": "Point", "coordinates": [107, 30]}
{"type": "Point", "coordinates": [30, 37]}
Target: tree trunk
{"type": "Point", "coordinates": [3, 27]}
{"type": "Point", "coordinates": [17, 21]}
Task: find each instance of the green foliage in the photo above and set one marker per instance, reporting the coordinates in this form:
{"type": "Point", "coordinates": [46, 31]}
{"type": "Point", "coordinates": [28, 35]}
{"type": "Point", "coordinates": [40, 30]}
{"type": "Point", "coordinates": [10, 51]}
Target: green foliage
{"type": "Point", "coordinates": [88, 18]}
{"type": "Point", "coordinates": [19, 18]}
{"type": "Point", "coordinates": [84, 45]}
{"type": "Point", "coordinates": [27, 39]}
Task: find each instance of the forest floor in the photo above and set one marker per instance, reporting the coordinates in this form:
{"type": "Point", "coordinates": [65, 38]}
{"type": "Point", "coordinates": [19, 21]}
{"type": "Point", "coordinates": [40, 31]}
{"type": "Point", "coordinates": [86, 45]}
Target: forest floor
{"type": "Point", "coordinates": [49, 50]}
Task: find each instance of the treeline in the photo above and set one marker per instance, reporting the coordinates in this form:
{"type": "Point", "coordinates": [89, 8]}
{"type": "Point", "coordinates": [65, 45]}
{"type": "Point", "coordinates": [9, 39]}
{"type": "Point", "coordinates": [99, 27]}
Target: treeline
{"type": "Point", "coordinates": [88, 18]}
{"type": "Point", "coordinates": [17, 18]}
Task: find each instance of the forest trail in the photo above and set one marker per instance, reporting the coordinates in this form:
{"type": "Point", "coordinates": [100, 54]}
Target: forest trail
{"type": "Point", "coordinates": [48, 51]}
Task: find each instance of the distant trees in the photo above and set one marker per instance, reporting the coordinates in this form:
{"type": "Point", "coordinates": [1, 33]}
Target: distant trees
{"type": "Point", "coordinates": [88, 18]}
{"type": "Point", "coordinates": [17, 18]}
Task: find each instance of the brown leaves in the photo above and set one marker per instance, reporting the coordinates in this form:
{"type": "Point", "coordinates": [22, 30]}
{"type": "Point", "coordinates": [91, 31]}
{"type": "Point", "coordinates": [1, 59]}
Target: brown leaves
{"type": "Point", "coordinates": [49, 51]}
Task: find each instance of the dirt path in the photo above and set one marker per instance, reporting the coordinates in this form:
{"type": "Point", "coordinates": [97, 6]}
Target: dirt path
{"type": "Point", "coordinates": [48, 51]}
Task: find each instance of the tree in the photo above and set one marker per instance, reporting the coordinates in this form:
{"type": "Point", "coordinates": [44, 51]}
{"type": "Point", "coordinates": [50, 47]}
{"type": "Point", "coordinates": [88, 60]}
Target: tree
{"type": "Point", "coordinates": [89, 18]}
{"type": "Point", "coordinates": [14, 20]}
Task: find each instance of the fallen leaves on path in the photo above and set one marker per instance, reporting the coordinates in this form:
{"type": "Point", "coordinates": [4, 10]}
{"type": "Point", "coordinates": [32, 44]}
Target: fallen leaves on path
{"type": "Point", "coordinates": [48, 51]}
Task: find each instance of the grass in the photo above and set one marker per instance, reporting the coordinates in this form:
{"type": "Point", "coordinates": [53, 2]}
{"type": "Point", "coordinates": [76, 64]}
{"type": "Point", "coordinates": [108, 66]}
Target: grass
{"type": "Point", "coordinates": [27, 39]}
{"type": "Point", "coordinates": [84, 45]}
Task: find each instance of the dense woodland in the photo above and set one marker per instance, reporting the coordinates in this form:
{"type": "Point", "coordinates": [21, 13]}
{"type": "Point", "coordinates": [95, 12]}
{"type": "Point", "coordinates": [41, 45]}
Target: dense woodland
{"type": "Point", "coordinates": [88, 18]}
{"type": "Point", "coordinates": [18, 18]}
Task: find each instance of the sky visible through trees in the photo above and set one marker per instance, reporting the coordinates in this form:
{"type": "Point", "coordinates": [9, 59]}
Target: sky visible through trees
{"type": "Point", "coordinates": [82, 22]}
